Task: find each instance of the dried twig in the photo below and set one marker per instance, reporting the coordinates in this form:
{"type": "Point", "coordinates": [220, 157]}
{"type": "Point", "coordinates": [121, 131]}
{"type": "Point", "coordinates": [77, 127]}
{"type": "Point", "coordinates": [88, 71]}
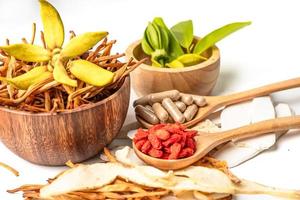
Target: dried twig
{"type": "Point", "coordinates": [24, 41]}
{"type": "Point", "coordinates": [33, 33]}
{"type": "Point", "coordinates": [11, 169]}
{"type": "Point", "coordinates": [72, 34]}
{"type": "Point", "coordinates": [43, 39]}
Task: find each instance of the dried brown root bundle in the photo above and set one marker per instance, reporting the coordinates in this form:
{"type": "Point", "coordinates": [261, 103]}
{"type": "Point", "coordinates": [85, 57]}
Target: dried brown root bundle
{"type": "Point", "coordinates": [56, 77]}
{"type": "Point", "coordinates": [51, 96]}
{"type": "Point", "coordinates": [9, 168]}
{"type": "Point", "coordinates": [113, 180]}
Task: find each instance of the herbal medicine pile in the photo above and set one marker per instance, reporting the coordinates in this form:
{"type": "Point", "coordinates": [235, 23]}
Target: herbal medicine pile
{"type": "Point", "coordinates": [168, 107]}
{"type": "Point", "coordinates": [166, 141]}
{"type": "Point", "coordinates": [53, 78]}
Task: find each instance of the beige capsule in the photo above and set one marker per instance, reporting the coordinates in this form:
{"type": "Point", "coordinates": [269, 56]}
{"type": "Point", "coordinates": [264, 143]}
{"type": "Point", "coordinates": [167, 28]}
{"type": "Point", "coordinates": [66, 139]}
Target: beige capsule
{"type": "Point", "coordinates": [149, 108]}
{"type": "Point", "coordinates": [190, 112]}
{"type": "Point", "coordinates": [141, 121]}
{"type": "Point", "coordinates": [158, 97]}
{"type": "Point", "coordinates": [187, 99]}
{"type": "Point", "coordinates": [160, 112]}
{"type": "Point", "coordinates": [170, 120]}
{"type": "Point", "coordinates": [180, 105]}
{"type": "Point", "coordinates": [142, 101]}
{"type": "Point", "coordinates": [146, 114]}
{"type": "Point", "coordinates": [199, 100]}
{"type": "Point", "coordinates": [172, 109]}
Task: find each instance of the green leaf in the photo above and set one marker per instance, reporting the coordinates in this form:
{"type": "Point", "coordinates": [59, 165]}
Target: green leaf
{"type": "Point", "coordinates": [174, 49]}
{"type": "Point", "coordinates": [164, 38]}
{"type": "Point", "coordinates": [145, 45]}
{"type": "Point", "coordinates": [27, 52]}
{"type": "Point", "coordinates": [217, 35]}
{"type": "Point", "coordinates": [82, 43]}
{"type": "Point", "coordinates": [191, 59]}
{"type": "Point", "coordinates": [153, 36]}
{"type": "Point", "coordinates": [160, 55]}
{"type": "Point", "coordinates": [158, 35]}
{"type": "Point", "coordinates": [155, 63]}
{"type": "Point", "coordinates": [53, 25]}
{"type": "Point", "coordinates": [175, 64]}
{"type": "Point", "coordinates": [91, 73]}
{"type": "Point", "coordinates": [183, 32]}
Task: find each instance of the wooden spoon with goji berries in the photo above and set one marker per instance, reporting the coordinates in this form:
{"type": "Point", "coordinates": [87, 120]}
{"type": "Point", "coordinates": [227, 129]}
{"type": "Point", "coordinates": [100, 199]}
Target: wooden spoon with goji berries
{"type": "Point", "coordinates": [205, 142]}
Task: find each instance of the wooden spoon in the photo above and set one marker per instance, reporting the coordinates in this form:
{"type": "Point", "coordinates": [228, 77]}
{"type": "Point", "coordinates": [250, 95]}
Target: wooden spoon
{"type": "Point", "coordinates": [216, 102]}
{"type": "Point", "coordinates": [208, 141]}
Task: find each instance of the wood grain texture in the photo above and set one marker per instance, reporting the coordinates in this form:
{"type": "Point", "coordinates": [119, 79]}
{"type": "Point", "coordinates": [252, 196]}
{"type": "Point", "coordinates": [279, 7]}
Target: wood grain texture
{"type": "Point", "coordinates": [208, 141]}
{"type": "Point", "coordinates": [53, 139]}
{"type": "Point", "coordinates": [198, 79]}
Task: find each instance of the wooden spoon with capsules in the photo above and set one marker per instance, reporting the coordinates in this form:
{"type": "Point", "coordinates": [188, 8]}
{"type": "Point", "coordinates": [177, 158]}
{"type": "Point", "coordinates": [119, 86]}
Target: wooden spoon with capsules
{"type": "Point", "coordinates": [208, 141]}
{"type": "Point", "coordinates": [216, 102]}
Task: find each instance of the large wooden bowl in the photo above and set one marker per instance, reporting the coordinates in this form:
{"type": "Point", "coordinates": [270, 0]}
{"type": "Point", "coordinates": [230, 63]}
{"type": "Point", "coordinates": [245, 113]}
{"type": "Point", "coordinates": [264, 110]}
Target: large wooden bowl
{"type": "Point", "coordinates": [198, 79]}
{"type": "Point", "coordinates": [76, 135]}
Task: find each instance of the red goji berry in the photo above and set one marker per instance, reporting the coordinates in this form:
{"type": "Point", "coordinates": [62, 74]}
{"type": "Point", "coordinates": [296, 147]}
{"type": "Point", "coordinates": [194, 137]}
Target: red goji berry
{"type": "Point", "coordinates": [173, 139]}
{"type": "Point", "coordinates": [167, 150]}
{"type": "Point", "coordinates": [173, 129]}
{"type": "Point", "coordinates": [186, 152]}
{"type": "Point", "coordinates": [156, 127]}
{"type": "Point", "coordinates": [155, 153]}
{"type": "Point", "coordinates": [183, 139]}
{"type": "Point", "coordinates": [141, 134]}
{"type": "Point", "coordinates": [162, 134]}
{"type": "Point", "coordinates": [155, 142]}
{"type": "Point", "coordinates": [140, 143]}
{"type": "Point", "coordinates": [166, 141]}
{"type": "Point", "coordinates": [165, 156]}
{"type": "Point", "coordinates": [178, 126]}
{"type": "Point", "coordinates": [191, 143]}
{"type": "Point", "coordinates": [146, 147]}
{"type": "Point", "coordinates": [191, 134]}
{"type": "Point", "coordinates": [175, 150]}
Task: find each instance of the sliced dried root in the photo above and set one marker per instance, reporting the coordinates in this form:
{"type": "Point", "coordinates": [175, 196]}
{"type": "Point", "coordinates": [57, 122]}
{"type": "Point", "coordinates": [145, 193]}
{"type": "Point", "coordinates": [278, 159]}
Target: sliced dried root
{"type": "Point", "coordinates": [107, 179]}
{"type": "Point", "coordinates": [217, 164]}
{"type": "Point", "coordinates": [116, 181]}
{"type": "Point", "coordinates": [119, 189]}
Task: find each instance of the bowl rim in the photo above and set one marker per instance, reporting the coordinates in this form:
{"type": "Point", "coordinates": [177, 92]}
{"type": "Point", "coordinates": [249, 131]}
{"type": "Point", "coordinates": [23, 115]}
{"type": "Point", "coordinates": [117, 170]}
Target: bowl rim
{"type": "Point", "coordinates": [79, 109]}
{"type": "Point", "coordinates": [215, 56]}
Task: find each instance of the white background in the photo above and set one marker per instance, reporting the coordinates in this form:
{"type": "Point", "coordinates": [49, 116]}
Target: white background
{"type": "Point", "coordinates": [265, 52]}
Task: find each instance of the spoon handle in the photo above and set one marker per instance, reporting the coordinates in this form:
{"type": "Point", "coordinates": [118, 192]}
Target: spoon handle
{"type": "Point", "coordinates": [261, 91]}
{"type": "Point", "coordinates": [260, 128]}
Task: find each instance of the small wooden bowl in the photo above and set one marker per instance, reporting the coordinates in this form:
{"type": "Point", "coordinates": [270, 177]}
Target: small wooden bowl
{"type": "Point", "coordinates": [76, 135]}
{"type": "Point", "coordinates": [198, 79]}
